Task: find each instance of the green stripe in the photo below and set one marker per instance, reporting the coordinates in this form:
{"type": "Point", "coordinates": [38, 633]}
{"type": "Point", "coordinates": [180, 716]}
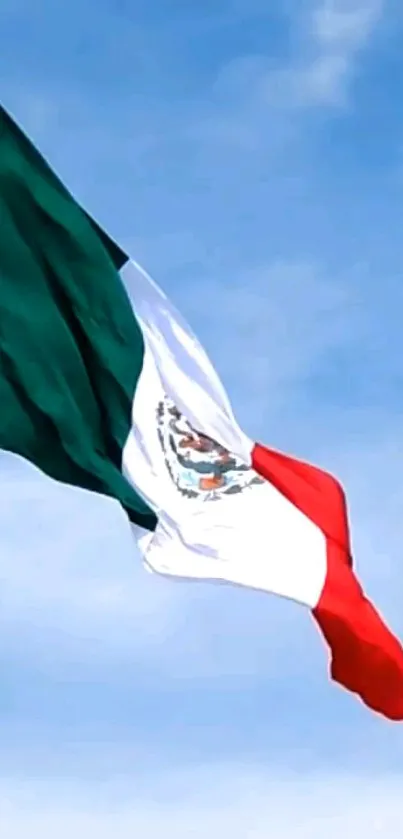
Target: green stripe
{"type": "Point", "coordinates": [71, 351]}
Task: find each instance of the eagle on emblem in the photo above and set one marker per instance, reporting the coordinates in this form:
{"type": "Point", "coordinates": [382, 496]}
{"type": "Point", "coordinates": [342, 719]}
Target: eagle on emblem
{"type": "Point", "coordinates": [199, 466]}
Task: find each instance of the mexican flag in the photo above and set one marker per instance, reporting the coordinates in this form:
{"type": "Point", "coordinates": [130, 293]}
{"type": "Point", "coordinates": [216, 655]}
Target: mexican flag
{"type": "Point", "coordinates": [104, 386]}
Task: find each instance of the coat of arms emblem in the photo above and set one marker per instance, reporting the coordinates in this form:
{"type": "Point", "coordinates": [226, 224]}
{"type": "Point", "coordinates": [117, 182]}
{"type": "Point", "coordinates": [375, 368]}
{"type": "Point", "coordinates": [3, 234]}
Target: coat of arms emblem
{"type": "Point", "coordinates": [199, 466]}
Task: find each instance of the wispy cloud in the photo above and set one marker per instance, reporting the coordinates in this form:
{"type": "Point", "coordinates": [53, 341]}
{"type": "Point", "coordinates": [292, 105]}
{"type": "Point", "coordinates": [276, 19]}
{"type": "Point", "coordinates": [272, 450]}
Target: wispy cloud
{"type": "Point", "coordinates": [254, 94]}
{"type": "Point", "coordinates": [345, 25]}
{"type": "Point", "coordinates": [231, 800]}
{"type": "Point", "coordinates": [339, 31]}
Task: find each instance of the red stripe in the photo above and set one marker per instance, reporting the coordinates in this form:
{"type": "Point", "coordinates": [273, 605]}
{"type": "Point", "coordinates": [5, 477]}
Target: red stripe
{"type": "Point", "coordinates": [365, 657]}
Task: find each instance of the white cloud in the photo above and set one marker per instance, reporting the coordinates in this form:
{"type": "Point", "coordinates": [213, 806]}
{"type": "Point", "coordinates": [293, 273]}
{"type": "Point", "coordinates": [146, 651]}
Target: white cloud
{"type": "Point", "coordinates": [255, 97]}
{"type": "Point", "coordinates": [345, 24]}
{"type": "Point", "coordinates": [228, 800]}
{"type": "Point", "coordinates": [339, 30]}
{"type": "Point", "coordinates": [322, 81]}
{"type": "Point", "coordinates": [336, 33]}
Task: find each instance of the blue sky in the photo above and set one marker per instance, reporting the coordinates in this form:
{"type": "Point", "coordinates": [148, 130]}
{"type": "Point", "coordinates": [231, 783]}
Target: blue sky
{"type": "Point", "coordinates": [250, 155]}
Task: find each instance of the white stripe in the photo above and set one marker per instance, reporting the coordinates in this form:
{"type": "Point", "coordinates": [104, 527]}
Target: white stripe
{"type": "Point", "coordinates": [185, 370]}
{"type": "Point", "coordinates": [256, 538]}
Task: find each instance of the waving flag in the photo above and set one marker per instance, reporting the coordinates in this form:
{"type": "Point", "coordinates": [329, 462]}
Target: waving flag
{"type": "Point", "coordinates": [117, 395]}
